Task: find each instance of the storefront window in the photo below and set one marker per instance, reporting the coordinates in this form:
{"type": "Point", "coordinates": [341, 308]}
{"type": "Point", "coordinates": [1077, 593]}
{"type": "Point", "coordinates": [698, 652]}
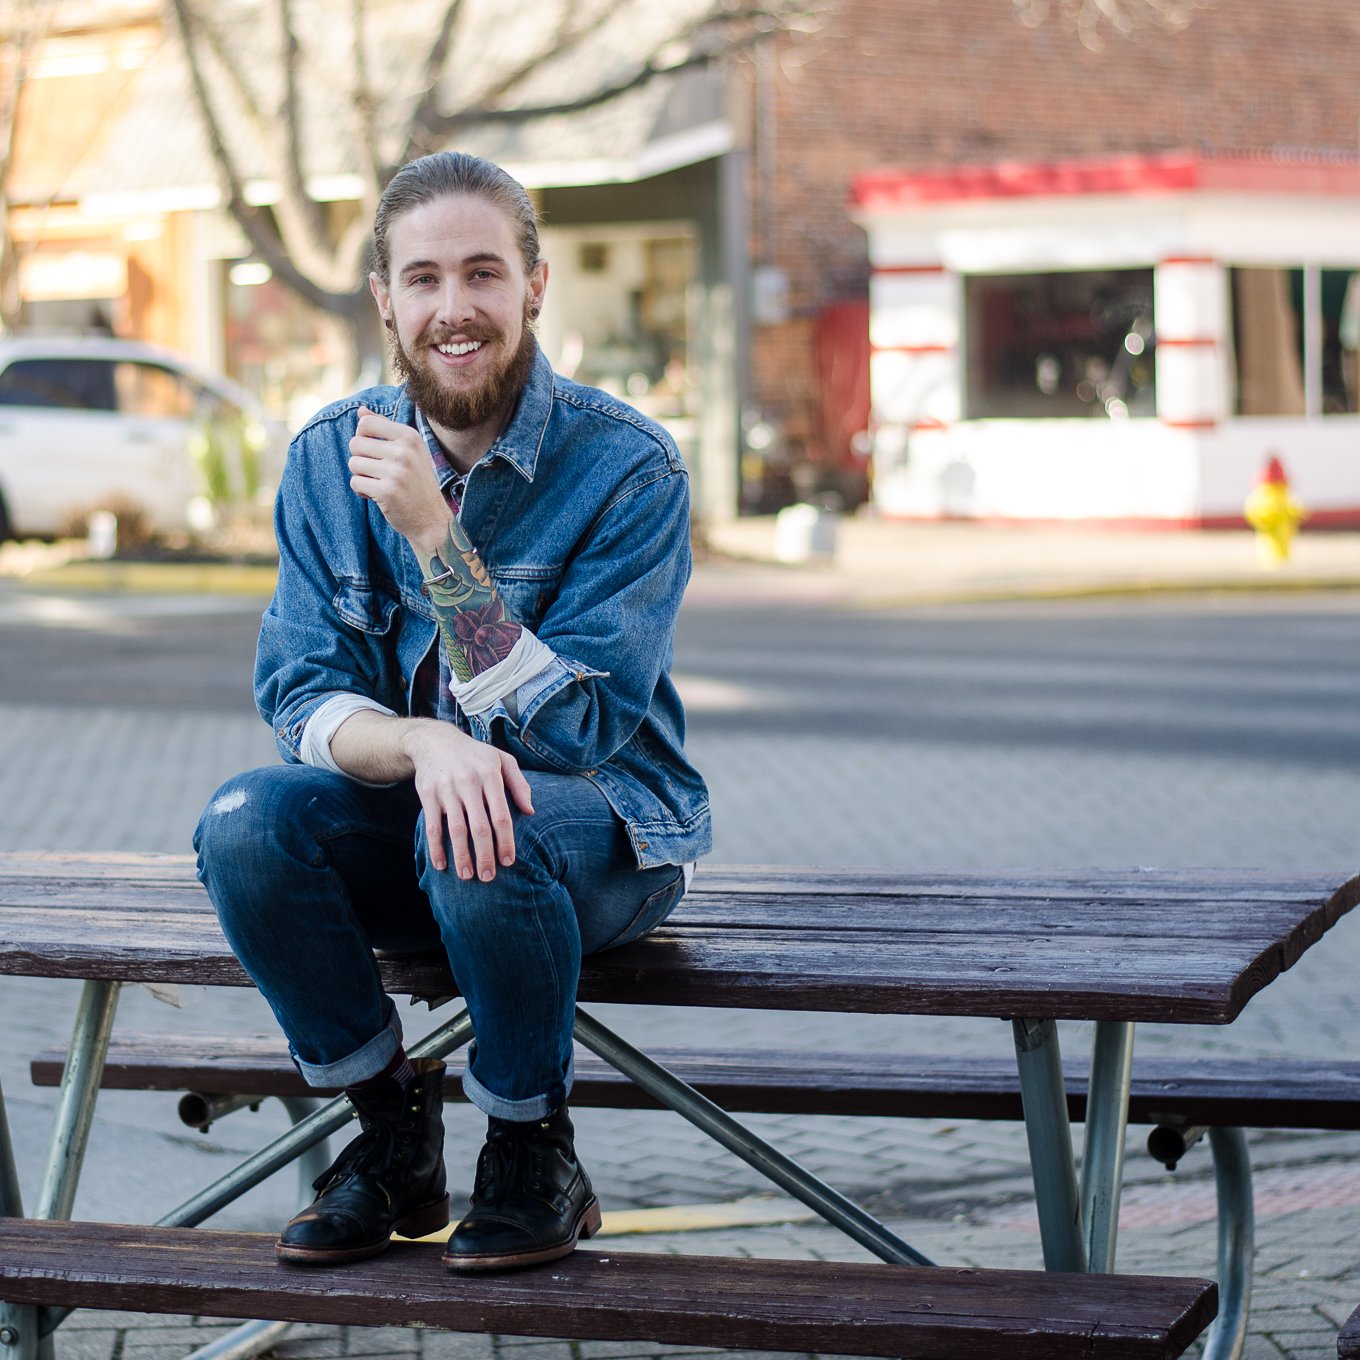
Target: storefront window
{"type": "Point", "coordinates": [1296, 337]}
{"type": "Point", "coordinates": [620, 308]}
{"type": "Point", "coordinates": [1268, 335]}
{"type": "Point", "coordinates": [1046, 346]}
{"type": "Point", "coordinates": [1340, 341]}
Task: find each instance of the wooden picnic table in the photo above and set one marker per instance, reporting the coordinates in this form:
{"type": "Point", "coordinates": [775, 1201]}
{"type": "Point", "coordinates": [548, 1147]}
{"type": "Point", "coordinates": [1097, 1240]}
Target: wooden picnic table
{"type": "Point", "coordinates": [1113, 948]}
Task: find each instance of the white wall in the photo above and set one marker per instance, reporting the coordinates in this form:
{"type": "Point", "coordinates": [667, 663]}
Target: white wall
{"type": "Point", "coordinates": [1197, 460]}
{"type": "Point", "coordinates": [1044, 469]}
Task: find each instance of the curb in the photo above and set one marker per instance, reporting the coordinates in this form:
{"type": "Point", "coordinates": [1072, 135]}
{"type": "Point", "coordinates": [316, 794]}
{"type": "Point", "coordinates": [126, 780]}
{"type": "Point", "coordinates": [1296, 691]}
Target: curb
{"type": "Point", "coordinates": [257, 580]}
{"type": "Point", "coordinates": [154, 578]}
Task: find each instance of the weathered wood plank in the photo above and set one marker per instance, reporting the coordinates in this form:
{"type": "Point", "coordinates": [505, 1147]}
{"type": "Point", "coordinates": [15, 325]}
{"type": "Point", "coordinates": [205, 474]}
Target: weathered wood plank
{"type": "Point", "coordinates": [1246, 1093]}
{"type": "Point", "coordinates": [892, 972]}
{"type": "Point", "coordinates": [768, 1305]}
{"type": "Point", "coordinates": [1065, 945]}
{"type": "Point", "coordinates": [1348, 1342]}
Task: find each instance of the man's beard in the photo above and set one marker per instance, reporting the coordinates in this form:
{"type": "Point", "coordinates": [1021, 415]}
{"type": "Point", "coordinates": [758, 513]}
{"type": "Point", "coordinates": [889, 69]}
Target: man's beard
{"type": "Point", "coordinates": [465, 409]}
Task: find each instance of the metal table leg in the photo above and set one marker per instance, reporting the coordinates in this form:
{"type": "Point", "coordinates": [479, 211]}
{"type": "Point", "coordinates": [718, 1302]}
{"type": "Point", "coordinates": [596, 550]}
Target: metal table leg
{"type": "Point", "coordinates": [79, 1091]}
{"type": "Point", "coordinates": [19, 1338]}
{"type": "Point", "coordinates": [1049, 1131]}
{"type": "Point", "coordinates": [22, 1335]}
{"type": "Point", "coordinates": [1102, 1159]}
{"type": "Point", "coordinates": [1236, 1244]}
{"type": "Point", "coordinates": [284, 1149]}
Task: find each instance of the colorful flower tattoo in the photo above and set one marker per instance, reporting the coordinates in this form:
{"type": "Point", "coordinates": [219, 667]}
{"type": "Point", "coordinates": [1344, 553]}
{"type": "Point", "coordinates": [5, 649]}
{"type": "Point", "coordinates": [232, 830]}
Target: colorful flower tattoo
{"type": "Point", "coordinates": [476, 627]}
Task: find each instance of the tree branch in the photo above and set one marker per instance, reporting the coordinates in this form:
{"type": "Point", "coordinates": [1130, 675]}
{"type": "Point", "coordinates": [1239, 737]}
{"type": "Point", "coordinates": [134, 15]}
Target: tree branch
{"type": "Point", "coordinates": [363, 101]}
{"type": "Point", "coordinates": [436, 59]}
{"type": "Point", "coordinates": [263, 238]}
{"type": "Point", "coordinates": [305, 212]}
{"type": "Point", "coordinates": [443, 125]}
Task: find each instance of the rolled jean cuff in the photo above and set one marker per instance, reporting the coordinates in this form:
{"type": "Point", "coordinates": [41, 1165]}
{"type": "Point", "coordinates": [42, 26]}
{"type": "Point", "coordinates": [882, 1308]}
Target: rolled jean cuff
{"type": "Point", "coordinates": [363, 1063]}
{"type": "Point", "coordinates": [521, 1111]}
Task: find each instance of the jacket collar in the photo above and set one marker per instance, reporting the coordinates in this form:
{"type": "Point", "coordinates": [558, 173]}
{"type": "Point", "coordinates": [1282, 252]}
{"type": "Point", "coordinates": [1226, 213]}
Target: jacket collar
{"type": "Point", "coordinates": [521, 442]}
{"type": "Point", "coordinates": [522, 439]}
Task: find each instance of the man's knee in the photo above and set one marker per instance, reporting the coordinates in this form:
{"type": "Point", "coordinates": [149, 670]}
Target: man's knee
{"type": "Point", "coordinates": [253, 814]}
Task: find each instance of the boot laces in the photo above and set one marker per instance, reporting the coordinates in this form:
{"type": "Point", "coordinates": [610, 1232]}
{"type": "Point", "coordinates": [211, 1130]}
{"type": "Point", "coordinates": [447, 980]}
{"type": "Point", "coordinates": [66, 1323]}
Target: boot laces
{"type": "Point", "coordinates": [510, 1163]}
{"type": "Point", "coordinates": [371, 1153]}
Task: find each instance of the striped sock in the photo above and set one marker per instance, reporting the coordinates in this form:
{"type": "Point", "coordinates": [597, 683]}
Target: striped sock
{"type": "Point", "coordinates": [398, 1070]}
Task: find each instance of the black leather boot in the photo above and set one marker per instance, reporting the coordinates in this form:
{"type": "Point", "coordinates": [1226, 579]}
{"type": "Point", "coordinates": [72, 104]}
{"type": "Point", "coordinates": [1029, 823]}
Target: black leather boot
{"type": "Point", "coordinates": [389, 1179]}
{"type": "Point", "coordinates": [532, 1200]}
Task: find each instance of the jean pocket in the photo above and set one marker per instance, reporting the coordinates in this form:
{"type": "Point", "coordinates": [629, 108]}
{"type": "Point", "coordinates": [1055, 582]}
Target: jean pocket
{"type": "Point", "coordinates": [654, 909]}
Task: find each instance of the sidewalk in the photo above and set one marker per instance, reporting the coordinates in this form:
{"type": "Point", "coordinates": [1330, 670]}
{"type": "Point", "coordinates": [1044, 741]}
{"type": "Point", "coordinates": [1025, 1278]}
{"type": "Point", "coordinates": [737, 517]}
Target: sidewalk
{"type": "Point", "coordinates": [133, 778]}
{"type": "Point", "coordinates": [877, 563]}
{"type": "Point", "coordinates": [889, 562]}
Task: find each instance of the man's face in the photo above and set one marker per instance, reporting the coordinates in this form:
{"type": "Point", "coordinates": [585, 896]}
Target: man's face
{"type": "Point", "coordinates": [458, 307]}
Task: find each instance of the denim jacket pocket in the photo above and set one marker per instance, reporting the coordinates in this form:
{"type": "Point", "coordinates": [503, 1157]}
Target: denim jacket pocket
{"type": "Point", "coordinates": [527, 591]}
{"type": "Point", "coordinates": [362, 606]}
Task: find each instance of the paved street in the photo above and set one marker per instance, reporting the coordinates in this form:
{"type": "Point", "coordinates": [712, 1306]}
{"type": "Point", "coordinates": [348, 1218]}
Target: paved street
{"type": "Point", "coordinates": [1155, 730]}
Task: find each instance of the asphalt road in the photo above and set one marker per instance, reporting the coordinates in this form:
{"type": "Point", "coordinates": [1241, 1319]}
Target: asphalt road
{"type": "Point", "coordinates": [1269, 677]}
{"type": "Point", "coordinates": [1156, 731]}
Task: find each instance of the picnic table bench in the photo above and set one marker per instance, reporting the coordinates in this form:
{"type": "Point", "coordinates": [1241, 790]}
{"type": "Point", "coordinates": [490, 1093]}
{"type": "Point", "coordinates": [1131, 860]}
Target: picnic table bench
{"type": "Point", "coordinates": [1032, 948]}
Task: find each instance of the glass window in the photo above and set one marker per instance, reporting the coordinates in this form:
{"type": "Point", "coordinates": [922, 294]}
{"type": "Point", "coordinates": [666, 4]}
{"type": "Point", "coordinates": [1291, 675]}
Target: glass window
{"type": "Point", "coordinates": [154, 392]}
{"type": "Point", "coordinates": [1268, 341]}
{"type": "Point", "coordinates": [1078, 343]}
{"type": "Point", "coordinates": [1340, 341]}
{"type": "Point", "coordinates": [1280, 370]}
{"type": "Point", "coordinates": [69, 384]}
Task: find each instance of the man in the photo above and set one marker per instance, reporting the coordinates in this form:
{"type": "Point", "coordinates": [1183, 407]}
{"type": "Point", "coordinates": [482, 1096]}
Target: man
{"type": "Point", "coordinates": [465, 664]}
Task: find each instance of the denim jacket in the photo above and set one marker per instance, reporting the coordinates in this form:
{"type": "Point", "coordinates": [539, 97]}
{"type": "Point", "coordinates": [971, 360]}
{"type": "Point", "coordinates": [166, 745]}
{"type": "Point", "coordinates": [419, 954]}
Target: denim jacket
{"type": "Point", "coordinates": [580, 511]}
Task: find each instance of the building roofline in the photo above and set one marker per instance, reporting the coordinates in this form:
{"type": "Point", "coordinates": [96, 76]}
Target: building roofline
{"type": "Point", "coordinates": [1276, 172]}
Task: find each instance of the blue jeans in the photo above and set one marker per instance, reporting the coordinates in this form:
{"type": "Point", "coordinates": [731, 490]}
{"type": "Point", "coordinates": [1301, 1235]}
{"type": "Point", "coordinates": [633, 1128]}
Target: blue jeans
{"type": "Point", "coordinates": [310, 872]}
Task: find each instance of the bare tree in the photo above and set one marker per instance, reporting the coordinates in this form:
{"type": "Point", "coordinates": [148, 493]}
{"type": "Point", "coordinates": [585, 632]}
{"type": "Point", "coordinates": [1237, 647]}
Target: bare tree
{"type": "Point", "coordinates": [279, 83]}
{"type": "Point", "coordinates": [1093, 19]}
{"type": "Point", "coordinates": [24, 24]}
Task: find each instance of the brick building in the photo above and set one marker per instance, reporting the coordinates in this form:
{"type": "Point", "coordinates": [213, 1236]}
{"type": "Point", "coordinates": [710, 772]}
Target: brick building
{"type": "Point", "coordinates": [710, 260]}
{"type": "Point", "coordinates": [909, 86]}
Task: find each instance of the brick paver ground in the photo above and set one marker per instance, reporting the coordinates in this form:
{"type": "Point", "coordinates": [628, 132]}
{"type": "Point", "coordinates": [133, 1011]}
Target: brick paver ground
{"type": "Point", "coordinates": [136, 780]}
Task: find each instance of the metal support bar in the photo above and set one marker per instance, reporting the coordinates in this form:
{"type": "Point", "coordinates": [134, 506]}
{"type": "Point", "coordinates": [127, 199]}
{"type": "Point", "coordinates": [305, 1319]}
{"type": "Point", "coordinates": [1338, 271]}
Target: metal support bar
{"type": "Point", "coordinates": [722, 1128]}
{"type": "Point", "coordinates": [262, 1164]}
{"type": "Point", "coordinates": [310, 1131]}
{"type": "Point", "coordinates": [1049, 1132]}
{"type": "Point", "coordinates": [315, 1159]}
{"type": "Point", "coordinates": [1236, 1244]}
{"type": "Point", "coordinates": [242, 1342]}
{"type": "Point", "coordinates": [11, 1196]}
{"type": "Point", "coordinates": [201, 1111]}
{"type": "Point", "coordinates": [75, 1107]}
{"type": "Point", "coordinates": [23, 1333]}
{"type": "Point", "coordinates": [1102, 1158]}
{"type": "Point", "coordinates": [1168, 1143]}
{"type": "Point", "coordinates": [19, 1329]}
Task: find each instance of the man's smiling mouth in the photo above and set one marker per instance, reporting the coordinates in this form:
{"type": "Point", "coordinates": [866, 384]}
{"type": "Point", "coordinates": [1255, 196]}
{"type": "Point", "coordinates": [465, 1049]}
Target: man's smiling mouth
{"type": "Point", "coordinates": [466, 347]}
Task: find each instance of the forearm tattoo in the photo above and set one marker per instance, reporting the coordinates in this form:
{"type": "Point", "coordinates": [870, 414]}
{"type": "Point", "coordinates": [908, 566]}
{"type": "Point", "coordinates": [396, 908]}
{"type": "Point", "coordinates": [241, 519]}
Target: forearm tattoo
{"type": "Point", "coordinates": [476, 627]}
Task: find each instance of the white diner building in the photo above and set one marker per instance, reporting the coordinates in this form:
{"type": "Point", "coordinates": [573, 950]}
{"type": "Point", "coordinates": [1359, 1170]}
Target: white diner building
{"type": "Point", "coordinates": [1124, 340]}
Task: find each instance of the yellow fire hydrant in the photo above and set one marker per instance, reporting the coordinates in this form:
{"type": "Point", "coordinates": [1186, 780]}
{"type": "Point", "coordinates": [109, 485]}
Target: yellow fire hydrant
{"type": "Point", "coordinates": [1273, 512]}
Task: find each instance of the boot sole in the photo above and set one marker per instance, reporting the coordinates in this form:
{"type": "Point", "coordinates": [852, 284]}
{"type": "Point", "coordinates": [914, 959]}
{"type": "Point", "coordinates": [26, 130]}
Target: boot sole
{"type": "Point", "coordinates": [429, 1218]}
{"type": "Point", "coordinates": [587, 1225]}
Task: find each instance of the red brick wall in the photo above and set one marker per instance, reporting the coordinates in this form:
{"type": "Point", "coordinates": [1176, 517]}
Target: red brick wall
{"type": "Point", "coordinates": [934, 82]}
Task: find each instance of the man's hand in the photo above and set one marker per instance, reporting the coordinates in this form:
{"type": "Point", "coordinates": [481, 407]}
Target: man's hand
{"type": "Point", "coordinates": [463, 783]}
{"type": "Point", "coordinates": [390, 465]}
